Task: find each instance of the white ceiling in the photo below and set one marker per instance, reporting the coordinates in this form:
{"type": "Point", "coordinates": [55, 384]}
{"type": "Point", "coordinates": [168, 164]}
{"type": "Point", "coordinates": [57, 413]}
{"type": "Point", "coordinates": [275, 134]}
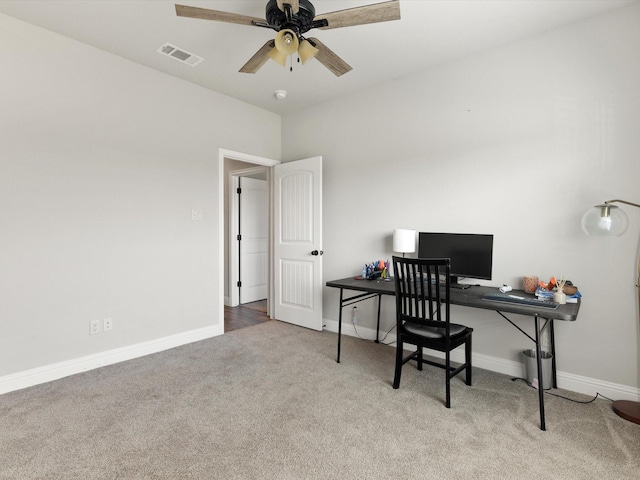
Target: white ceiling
{"type": "Point", "coordinates": [431, 32]}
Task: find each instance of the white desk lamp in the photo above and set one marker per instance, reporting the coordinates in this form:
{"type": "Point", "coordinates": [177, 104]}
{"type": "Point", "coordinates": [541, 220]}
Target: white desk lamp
{"type": "Point", "coordinates": [404, 241]}
{"type": "Point", "coordinates": [607, 219]}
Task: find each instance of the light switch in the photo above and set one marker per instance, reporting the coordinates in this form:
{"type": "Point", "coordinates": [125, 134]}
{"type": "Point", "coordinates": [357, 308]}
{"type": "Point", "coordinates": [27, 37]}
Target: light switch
{"type": "Point", "coordinates": [196, 214]}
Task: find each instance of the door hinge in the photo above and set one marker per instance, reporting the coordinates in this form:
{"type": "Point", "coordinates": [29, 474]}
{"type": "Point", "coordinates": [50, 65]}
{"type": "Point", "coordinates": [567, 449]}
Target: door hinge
{"type": "Point", "coordinates": [239, 284]}
{"type": "Point", "coordinates": [238, 190]}
{"type": "Point", "coordinates": [239, 237]}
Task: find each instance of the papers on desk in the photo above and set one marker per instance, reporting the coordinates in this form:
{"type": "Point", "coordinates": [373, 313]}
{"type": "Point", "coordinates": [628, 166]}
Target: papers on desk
{"type": "Point", "coordinates": [542, 293]}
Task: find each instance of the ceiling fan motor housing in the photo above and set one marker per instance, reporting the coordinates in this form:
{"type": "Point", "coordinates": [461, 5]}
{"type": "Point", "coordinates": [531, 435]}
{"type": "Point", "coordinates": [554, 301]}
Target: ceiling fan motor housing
{"type": "Point", "coordinates": [300, 23]}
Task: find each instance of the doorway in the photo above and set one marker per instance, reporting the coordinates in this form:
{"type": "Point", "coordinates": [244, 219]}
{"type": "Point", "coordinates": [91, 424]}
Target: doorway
{"type": "Point", "coordinates": [248, 235]}
{"type": "Point", "coordinates": [242, 165]}
{"type": "Point", "coordinates": [246, 315]}
{"type": "Point", "coordinates": [295, 212]}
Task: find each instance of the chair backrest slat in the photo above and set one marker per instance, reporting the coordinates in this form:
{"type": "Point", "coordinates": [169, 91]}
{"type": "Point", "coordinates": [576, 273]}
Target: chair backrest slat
{"type": "Point", "coordinates": [422, 291]}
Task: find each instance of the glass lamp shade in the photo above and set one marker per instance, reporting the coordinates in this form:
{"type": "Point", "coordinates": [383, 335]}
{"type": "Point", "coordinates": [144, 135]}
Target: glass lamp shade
{"type": "Point", "coordinates": [286, 41]}
{"type": "Point", "coordinates": [605, 219]}
{"type": "Point", "coordinates": [404, 241]}
{"type": "Point", "coordinates": [277, 56]}
{"type": "Point", "coordinates": [306, 51]}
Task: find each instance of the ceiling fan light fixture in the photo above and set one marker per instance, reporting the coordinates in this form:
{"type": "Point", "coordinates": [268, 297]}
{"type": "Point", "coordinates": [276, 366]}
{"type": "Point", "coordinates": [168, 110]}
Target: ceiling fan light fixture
{"type": "Point", "coordinates": [292, 19]}
{"type": "Point", "coordinates": [286, 41]}
{"type": "Point", "coordinates": [277, 56]}
{"type": "Point", "coordinates": [306, 51]}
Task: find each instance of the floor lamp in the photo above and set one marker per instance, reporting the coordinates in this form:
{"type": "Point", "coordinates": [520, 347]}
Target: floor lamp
{"type": "Point", "coordinates": [607, 219]}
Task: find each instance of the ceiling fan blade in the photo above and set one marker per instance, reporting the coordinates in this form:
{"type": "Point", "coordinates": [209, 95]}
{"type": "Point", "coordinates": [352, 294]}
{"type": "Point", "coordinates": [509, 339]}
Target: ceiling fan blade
{"type": "Point", "coordinates": [329, 59]}
{"type": "Point", "coordinates": [259, 59]}
{"type": "Point", "coordinates": [378, 12]}
{"type": "Point", "coordinates": [207, 14]}
{"type": "Point", "coordinates": [294, 5]}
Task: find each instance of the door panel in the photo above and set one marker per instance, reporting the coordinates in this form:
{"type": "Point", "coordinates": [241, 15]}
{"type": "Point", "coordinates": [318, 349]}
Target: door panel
{"type": "Point", "coordinates": [298, 233]}
{"type": "Point", "coordinates": [254, 230]}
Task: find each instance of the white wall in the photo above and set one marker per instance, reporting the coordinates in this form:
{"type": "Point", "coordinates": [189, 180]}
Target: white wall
{"type": "Point", "coordinates": [101, 163]}
{"type": "Point", "coordinates": [517, 142]}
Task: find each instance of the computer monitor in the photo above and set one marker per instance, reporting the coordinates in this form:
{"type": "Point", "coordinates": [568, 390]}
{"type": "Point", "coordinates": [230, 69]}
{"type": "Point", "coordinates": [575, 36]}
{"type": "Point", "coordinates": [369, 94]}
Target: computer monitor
{"type": "Point", "coordinates": [471, 254]}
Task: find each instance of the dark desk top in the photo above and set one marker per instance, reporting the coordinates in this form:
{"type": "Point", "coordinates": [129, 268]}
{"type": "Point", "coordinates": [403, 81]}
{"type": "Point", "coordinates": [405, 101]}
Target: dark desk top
{"type": "Point", "coordinates": [469, 297]}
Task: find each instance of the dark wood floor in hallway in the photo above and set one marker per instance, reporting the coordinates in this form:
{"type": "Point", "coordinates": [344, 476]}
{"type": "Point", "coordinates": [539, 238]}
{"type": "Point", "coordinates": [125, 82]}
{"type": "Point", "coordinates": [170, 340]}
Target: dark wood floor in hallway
{"type": "Point", "coordinates": [245, 315]}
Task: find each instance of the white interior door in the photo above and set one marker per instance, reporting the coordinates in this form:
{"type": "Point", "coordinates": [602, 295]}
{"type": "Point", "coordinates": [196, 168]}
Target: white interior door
{"type": "Point", "coordinates": [254, 229]}
{"type": "Point", "coordinates": [298, 242]}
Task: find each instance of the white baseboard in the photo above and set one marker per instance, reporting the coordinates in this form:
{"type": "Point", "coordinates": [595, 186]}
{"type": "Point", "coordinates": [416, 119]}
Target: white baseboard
{"type": "Point", "coordinates": [48, 373]}
{"type": "Point", "coordinates": [567, 381]}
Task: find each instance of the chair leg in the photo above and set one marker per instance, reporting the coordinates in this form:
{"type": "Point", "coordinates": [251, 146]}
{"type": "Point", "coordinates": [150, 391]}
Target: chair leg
{"type": "Point", "coordinates": [467, 359]}
{"type": "Point", "coordinates": [399, 359]}
{"type": "Point", "coordinates": [419, 358]}
{"type": "Point", "coordinates": [448, 372]}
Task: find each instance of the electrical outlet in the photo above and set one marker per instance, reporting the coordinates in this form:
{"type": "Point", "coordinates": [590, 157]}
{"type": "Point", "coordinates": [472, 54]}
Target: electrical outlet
{"type": "Point", "coordinates": [108, 324]}
{"type": "Point", "coordinates": [94, 327]}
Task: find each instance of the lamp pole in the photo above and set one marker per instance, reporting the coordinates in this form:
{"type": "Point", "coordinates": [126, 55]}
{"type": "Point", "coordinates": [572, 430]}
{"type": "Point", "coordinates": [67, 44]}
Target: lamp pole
{"type": "Point", "coordinates": [622, 201]}
{"type": "Point", "coordinates": [604, 222]}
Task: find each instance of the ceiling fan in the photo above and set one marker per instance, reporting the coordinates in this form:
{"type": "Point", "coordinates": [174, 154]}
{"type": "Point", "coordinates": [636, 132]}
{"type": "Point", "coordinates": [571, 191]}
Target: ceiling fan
{"type": "Point", "coordinates": [292, 19]}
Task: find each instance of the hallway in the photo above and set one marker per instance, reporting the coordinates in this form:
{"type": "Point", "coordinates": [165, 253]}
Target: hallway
{"type": "Point", "coordinates": [245, 315]}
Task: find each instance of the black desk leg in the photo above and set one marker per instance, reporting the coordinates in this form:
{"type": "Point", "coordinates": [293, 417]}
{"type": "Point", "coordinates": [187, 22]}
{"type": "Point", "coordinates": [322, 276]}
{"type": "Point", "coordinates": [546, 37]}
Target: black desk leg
{"type": "Point", "coordinates": [540, 379]}
{"type": "Point", "coordinates": [339, 326]}
{"type": "Point", "coordinates": [378, 325]}
{"type": "Point", "coordinates": [553, 354]}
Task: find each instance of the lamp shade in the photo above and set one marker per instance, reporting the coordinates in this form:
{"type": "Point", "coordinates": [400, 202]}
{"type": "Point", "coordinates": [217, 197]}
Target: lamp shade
{"type": "Point", "coordinates": [404, 240]}
{"type": "Point", "coordinates": [605, 219]}
{"type": "Point", "coordinates": [286, 41]}
{"type": "Point", "coordinates": [306, 51]}
{"type": "Point", "coordinates": [277, 56]}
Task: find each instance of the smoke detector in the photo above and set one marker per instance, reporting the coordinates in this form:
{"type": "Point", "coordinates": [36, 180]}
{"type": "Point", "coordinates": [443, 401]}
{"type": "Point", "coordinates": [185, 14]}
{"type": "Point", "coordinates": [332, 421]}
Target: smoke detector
{"type": "Point", "coordinates": [280, 94]}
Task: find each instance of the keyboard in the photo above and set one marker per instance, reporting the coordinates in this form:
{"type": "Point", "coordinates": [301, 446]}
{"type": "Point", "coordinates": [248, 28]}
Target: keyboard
{"type": "Point", "coordinates": [529, 301]}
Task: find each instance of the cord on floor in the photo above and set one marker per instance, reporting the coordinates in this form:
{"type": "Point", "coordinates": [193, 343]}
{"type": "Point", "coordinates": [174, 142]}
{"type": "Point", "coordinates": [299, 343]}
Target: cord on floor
{"type": "Point", "coordinates": [381, 341]}
{"type": "Point", "coordinates": [386, 335]}
{"type": "Point", "coordinates": [562, 396]}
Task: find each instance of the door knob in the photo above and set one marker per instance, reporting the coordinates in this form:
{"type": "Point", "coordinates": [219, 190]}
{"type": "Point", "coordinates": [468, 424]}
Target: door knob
{"type": "Point", "coordinates": [316, 252]}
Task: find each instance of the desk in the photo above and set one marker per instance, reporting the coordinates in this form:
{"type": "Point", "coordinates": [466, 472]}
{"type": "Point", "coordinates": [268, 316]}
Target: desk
{"type": "Point", "coordinates": [469, 297]}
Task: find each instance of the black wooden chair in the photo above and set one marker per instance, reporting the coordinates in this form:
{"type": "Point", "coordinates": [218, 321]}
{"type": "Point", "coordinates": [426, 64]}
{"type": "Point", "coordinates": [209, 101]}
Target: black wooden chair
{"type": "Point", "coordinates": [422, 317]}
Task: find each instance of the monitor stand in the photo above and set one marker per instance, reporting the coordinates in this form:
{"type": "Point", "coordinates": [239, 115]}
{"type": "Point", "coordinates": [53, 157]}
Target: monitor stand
{"type": "Point", "coordinates": [456, 285]}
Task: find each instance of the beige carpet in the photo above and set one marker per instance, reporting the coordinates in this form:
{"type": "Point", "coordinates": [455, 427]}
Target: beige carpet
{"type": "Point", "coordinates": [269, 402]}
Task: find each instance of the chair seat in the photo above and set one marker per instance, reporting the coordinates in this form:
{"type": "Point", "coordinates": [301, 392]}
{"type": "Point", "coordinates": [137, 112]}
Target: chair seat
{"type": "Point", "coordinates": [433, 332]}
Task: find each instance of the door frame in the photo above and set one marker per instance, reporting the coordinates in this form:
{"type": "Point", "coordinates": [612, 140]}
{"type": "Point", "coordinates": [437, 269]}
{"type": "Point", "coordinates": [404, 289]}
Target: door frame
{"type": "Point", "coordinates": [248, 158]}
{"type": "Point", "coordinates": [234, 211]}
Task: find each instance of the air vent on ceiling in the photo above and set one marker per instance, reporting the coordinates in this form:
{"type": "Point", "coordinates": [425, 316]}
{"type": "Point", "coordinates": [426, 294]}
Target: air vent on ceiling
{"type": "Point", "coordinates": [179, 54]}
